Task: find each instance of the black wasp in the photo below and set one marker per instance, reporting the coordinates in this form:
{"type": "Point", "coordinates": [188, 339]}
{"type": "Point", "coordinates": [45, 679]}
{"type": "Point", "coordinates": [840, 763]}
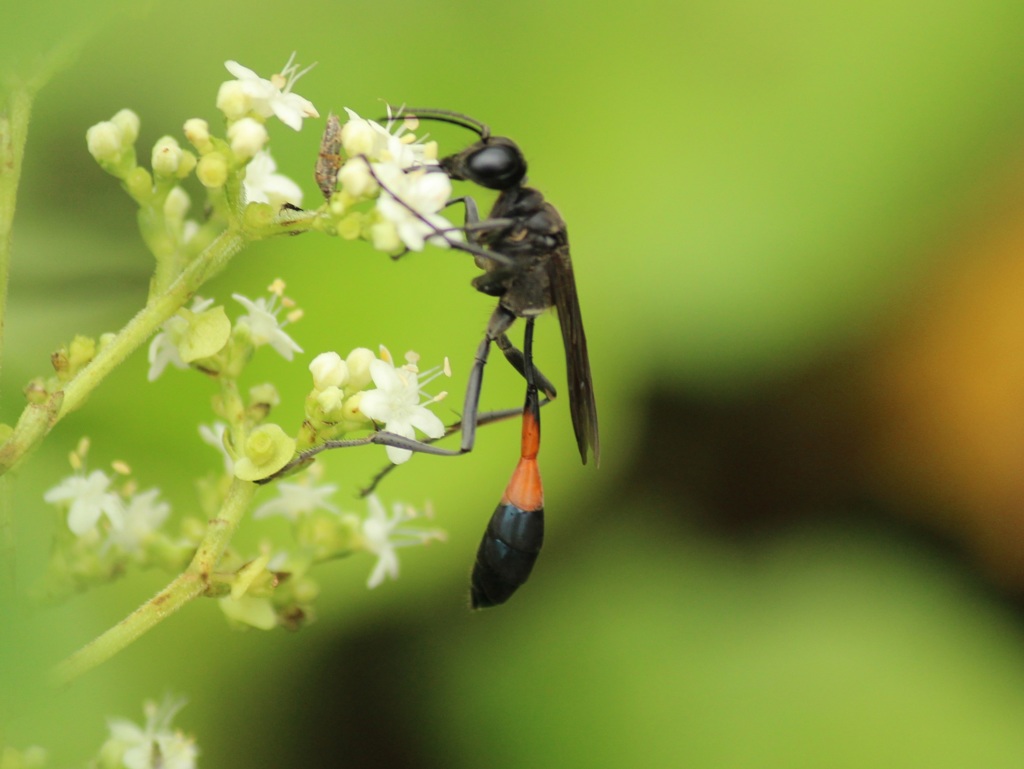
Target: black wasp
{"type": "Point", "coordinates": [534, 275]}
{"type": "Point", "coordinates": [523, 248]}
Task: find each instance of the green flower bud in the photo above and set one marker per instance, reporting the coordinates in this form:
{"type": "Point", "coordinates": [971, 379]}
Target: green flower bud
{"type": "Point", "coordinates": [80, 353]}
{"type": "Point", "coordinates": [384, 236]}
{"type": "Point", "coordinates": [351, 416]}
{"type": "Point", "coordinates": [351, 227]}
{"type": "Point", "coordinates": [265, 394]}
{"type": "Point", "coordinates": [212, 170]}
{"type": "Point", "coordinates": [36, 392]}
{"type": "Point", "coordinates": [59, 361]}
{"type": "Point", "coordinates": [330, 402]}
{"type": "Point", "coordinates": [187, 164]}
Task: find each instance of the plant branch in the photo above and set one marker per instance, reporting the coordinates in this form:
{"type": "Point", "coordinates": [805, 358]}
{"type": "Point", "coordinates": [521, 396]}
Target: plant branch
{"type": "Point", "coordinates": [39, 418]}
{"type": "Point", "coordinates": [195, 581]}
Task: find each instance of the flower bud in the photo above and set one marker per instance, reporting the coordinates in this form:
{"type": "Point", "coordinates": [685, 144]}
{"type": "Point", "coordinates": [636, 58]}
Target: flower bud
{"type": "Point", "coordinates": [384, 236]}
{"type": "Point", "coordinates": [166, 156]}
{"type": "Point", "coordinates": [350, 413]}
{"type": "Point", "coordinates": [177, 204]}
{"type": "Point", "coordinates": [330, 401]}
{"type": "Point", "coordinates": [105, 142]}
{"type": "Point", "coordinates": [197, 131]}
{"type": "Point", "coordinates": [247, 137]}
{"type": "Point", "coordinates": [187, 164]}
{"type": "Point", "coordinates": [35, 392]}
{"type": "Point", "coordinates": [212, 170]}
{"type": "Point", "coordinates": [351, 227]}
{"type": "Point", "coordinates": [81, 351]}
{"type": "Point", "coordinates": [128, 122]}
{"type": "Point", "coordinates": [233, 101]}
{"type": "Point", "coordinates": [264, 394]}
{"type": "Point", "coordinates": [328, 370]}
{"type": "Point", "coordinates": [356, 180]}
{"type": "Point", "coordinates": [358, 362]}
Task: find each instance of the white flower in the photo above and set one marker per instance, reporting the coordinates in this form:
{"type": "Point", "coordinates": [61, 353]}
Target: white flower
{"type": "Point", "coordinates": [154, 746]}
{"type": "Point", "coordinates": [396, 404]}
{"type": "Point", "coordinates": [274, 96]}
{"type": "Point", "coordinates": [143, 516]}
{"type": "Point", "coordinates": [163, 349]}
{"type": "Point", "coordinates": [88, 498]}
{"type": "Point", "coordinates": [382, 534]}
{"type": "Point", "coordinates": [264, 327]}
{"type": "Point", "coordinates": [296, 499]}
{"type": "Point", "coordinates": [411, 200]}
{"type": "Point", "coordinates": [263, 185]}
{"type": "Point", "coordinates": [389, 144]}
{"type": "Point", "coordinates": [213, 435]}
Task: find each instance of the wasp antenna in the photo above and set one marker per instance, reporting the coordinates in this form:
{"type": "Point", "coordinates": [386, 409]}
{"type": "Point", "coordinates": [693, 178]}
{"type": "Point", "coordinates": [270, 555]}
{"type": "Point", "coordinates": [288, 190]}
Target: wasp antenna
{"type": "Point", "coordinates": [449, 116]}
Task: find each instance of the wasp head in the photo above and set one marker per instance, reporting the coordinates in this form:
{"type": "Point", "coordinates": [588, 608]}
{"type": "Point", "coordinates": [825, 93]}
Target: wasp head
{"type": "Point", "coordinates": [495, 162]}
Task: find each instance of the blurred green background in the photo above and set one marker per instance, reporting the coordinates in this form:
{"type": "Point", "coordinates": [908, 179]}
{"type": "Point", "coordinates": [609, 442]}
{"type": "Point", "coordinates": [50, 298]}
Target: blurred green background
{"type": "Point", "coordinates": [797, 231]}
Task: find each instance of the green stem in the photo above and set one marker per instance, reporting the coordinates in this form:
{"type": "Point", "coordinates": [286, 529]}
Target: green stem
{"type": "Point", "coordinates": [14, 119]}
{"type": "Point", "coordinates": [38, 419]}
{"type": "Point", "coordinates": [13, 132]}
{"type": "Point", "coordinates": [196, 580]}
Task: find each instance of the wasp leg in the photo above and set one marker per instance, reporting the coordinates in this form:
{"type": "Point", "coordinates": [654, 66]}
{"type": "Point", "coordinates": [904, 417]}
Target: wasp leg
{"type": "Point", "coordinates": [515, 356]}
{"type": "Point", "coordinates": [500, 322]}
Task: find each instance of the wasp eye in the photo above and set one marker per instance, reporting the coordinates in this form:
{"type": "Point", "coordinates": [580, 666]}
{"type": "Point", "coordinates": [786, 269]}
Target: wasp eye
{"type": "Point", "coordinates": [496, 166]}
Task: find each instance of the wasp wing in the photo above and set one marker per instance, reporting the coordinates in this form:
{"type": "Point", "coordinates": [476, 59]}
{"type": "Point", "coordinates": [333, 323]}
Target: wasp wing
{"type": "Point", "coordinates": [577, 362]}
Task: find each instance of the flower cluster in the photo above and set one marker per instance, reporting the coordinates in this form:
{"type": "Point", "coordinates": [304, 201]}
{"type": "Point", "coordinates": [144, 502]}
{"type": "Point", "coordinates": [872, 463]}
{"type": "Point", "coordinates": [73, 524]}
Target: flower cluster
{"type": "Point", "coordinates": [202, 336]}
{"type": "Point", "coordinates": [340, 401]}
{"type": "Point", "coordinates": [382, 183]}
{"type": "Point", "coordinates": [108, 524]}
{"type": "Point", "coordinates": [234, 169]}
{"type": "Point", "coordinates": [152, 746]}
{"type": "Point", "coordinates": [387, 164]}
